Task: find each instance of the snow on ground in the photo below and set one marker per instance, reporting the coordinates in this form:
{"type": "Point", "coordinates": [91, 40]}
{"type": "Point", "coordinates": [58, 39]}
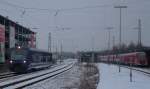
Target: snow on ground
{"type": "Point", "coordinates": [110, 78]}
{"type": "Point", "coordinates": [67, 79]}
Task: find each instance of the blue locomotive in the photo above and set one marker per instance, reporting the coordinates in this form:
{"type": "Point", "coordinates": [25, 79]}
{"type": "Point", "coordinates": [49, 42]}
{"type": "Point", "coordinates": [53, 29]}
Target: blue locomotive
{"type": "Point", "coordinates": [25, 59]}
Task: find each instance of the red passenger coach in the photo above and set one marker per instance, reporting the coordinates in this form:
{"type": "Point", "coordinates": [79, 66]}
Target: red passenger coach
{"type": "Point", "coordinates": [136, 58]}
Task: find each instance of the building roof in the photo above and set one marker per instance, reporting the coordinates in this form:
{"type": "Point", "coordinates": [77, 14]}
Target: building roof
{"type": "Point", "coordinates": [16, 24]}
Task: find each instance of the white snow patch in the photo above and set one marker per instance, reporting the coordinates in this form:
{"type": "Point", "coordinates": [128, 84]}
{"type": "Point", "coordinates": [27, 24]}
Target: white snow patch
{"type": "Point", "coordinates": [110, 78]}
{"type": "Point", "coordinates": [69, 78]}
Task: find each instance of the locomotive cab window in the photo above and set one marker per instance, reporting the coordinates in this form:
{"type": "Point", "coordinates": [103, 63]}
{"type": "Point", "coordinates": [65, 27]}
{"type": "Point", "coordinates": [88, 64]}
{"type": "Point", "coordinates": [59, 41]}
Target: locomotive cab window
{"type": "Point", "coordinates": [18, 54]}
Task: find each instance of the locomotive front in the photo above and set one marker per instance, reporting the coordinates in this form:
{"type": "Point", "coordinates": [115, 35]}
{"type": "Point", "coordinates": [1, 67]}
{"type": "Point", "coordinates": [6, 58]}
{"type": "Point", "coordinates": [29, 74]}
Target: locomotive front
{"type": "Point", "coordinates": [18, 60]}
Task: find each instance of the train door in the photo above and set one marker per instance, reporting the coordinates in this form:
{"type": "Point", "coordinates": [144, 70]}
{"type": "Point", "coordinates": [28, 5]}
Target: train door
{"type": "Point", "coordinates": [148, 57]}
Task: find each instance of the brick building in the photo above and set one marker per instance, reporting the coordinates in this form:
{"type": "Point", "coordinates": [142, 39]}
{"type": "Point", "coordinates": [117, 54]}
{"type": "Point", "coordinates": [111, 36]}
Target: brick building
{"type": "Point", "coordinates": [12, 35]}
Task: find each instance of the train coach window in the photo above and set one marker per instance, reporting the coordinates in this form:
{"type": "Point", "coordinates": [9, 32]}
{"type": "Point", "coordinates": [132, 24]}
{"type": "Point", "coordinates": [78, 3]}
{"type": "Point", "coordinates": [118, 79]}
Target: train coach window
{"type": "Point", "coordinates": [36, 58]}
{"type": "Point", "coordinates": [44, 59]}
{"type": "Point", "coordinates": [47, 58]}
{"type": "Point", "coordinates": [33, 58]}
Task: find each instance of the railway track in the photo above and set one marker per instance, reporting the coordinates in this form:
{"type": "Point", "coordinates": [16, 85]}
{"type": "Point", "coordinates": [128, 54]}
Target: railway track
{"type": "Point", "coordinates": [34, 78]}
{"type": "Point", "coordinates": [6, 75]}
{"type": "Point", "coordinates": [138, 69]}
{"type": "Point", "coordinates": [13, 74]}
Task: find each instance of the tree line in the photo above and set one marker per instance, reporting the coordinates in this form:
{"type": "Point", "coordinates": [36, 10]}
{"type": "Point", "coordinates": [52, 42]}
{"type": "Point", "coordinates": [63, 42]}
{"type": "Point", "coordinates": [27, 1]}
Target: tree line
{"type": "Point", "coordinates": [124, 48]}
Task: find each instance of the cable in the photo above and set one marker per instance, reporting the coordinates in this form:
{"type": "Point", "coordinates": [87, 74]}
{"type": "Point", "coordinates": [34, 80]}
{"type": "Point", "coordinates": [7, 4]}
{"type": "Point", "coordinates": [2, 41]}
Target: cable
{"type": "Point", "coordinates": [86, 7]}
{"type": "Point", "coordinates": [47, 9]}
{"type": "Point", "coordinates": [21, 7]}
{"type": "Point", "coordinates": [24, 10]}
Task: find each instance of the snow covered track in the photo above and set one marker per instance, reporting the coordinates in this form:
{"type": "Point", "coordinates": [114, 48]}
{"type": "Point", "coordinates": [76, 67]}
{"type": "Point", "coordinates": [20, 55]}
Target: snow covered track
{"type": "Point", "coordinates": [34, 78]}
{"type": "Point", "coordinates": [6, 75]}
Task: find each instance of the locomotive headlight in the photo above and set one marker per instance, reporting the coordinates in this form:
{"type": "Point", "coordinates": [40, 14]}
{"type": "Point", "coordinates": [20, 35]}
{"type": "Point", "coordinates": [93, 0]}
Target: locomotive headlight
{"type": "Point", "coordinates": [11, 61]}
{"type": "Point", "coordinates": [24, 61]}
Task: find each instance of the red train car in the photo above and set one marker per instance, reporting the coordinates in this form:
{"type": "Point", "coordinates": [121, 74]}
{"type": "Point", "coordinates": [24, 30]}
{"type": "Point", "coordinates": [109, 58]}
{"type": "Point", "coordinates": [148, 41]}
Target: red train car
{"type": "Point", "coordinates": [134, 58]}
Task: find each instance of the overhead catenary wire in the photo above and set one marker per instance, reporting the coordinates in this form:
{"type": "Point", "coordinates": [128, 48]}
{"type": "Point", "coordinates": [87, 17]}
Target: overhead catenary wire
{"type": "Point", "coordinates": [20, 7]}
{"type": "Point", "coordinates": [51, 10]}
{"type": "Point", "coordinates": [25, 10]}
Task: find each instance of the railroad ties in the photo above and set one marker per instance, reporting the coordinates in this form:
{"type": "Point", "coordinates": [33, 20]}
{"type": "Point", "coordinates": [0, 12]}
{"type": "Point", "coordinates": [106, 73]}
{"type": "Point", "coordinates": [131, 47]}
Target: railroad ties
{"type": "Point", "coordinates": [28, 80]}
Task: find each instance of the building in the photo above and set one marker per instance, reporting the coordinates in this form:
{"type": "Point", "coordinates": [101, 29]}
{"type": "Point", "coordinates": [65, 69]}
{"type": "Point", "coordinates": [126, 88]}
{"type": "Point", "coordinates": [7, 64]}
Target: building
{"type": "Point", "coordinates": [88, 56]}
{"type": "Point", "coordinates": [12, 35]}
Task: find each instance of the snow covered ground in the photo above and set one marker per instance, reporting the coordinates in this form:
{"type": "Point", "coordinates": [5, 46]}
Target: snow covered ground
{"type": "Point", "coordinates": [110, 78]}
{"type": "Point", "coordinates": [67, 79]}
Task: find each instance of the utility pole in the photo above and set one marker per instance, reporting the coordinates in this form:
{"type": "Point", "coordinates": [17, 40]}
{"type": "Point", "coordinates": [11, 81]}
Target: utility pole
{"type": "Point", "coordinates": [49, 42]}
{"type": "Point", "coordinates": [139, 28]}
{"type": "Point", "coordinates": [108, 39]}
{"type": "Point", "coordinates": [113, 41]}
{"type": "Point", "coordinates": [93, 41]}
{"type": "Point", "coordinates": [109, 30]}
{"type": "Point", "coordinates": [120, 26]}
{"type": "Point", "coordinates": [36, 41]}
{"type": "Point", "coordinates": [113, 45]}
{"type": "Point", "coordinates": [56, 52]}
{"type": "Point", "coordinates": [108, 53]}
{"type": "Point", "coordinates": [61, 51]}
{"type": "Point", "coordinates": [131, 75]}
{"type": "Point", "coordinates": [139, 32]}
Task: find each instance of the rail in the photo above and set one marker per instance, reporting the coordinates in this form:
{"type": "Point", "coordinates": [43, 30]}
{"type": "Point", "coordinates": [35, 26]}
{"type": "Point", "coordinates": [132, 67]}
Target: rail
{"type": "Point", "coordinates": [34, 78]}
{"type": "Point", "coordinates": [138, 69]}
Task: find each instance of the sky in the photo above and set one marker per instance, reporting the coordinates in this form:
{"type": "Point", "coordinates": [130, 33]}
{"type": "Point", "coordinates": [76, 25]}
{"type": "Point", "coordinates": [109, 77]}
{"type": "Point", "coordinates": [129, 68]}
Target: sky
{"type": "Point", "coordinates": [85, 21]}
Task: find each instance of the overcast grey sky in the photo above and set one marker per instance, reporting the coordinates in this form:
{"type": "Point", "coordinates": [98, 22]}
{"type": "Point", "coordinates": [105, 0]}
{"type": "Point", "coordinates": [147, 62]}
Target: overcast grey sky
{"type": "Point", "coordinates": [86, 23]}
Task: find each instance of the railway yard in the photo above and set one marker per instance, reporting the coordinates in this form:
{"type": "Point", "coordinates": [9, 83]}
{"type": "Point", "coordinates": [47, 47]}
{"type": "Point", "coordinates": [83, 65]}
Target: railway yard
{"type": "Point", "coordinates": [74, 44]}
{"type": "Point", "coordinates": [73, 75]}
{"type": "Point", "coordinates": [13, 81]}
{"type": "Point", "coordinates": [63, 76]}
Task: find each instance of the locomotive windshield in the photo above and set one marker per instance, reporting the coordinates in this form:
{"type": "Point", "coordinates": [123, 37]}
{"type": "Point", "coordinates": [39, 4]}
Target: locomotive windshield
{"type": "Point", "coordinates": [18, 54]}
